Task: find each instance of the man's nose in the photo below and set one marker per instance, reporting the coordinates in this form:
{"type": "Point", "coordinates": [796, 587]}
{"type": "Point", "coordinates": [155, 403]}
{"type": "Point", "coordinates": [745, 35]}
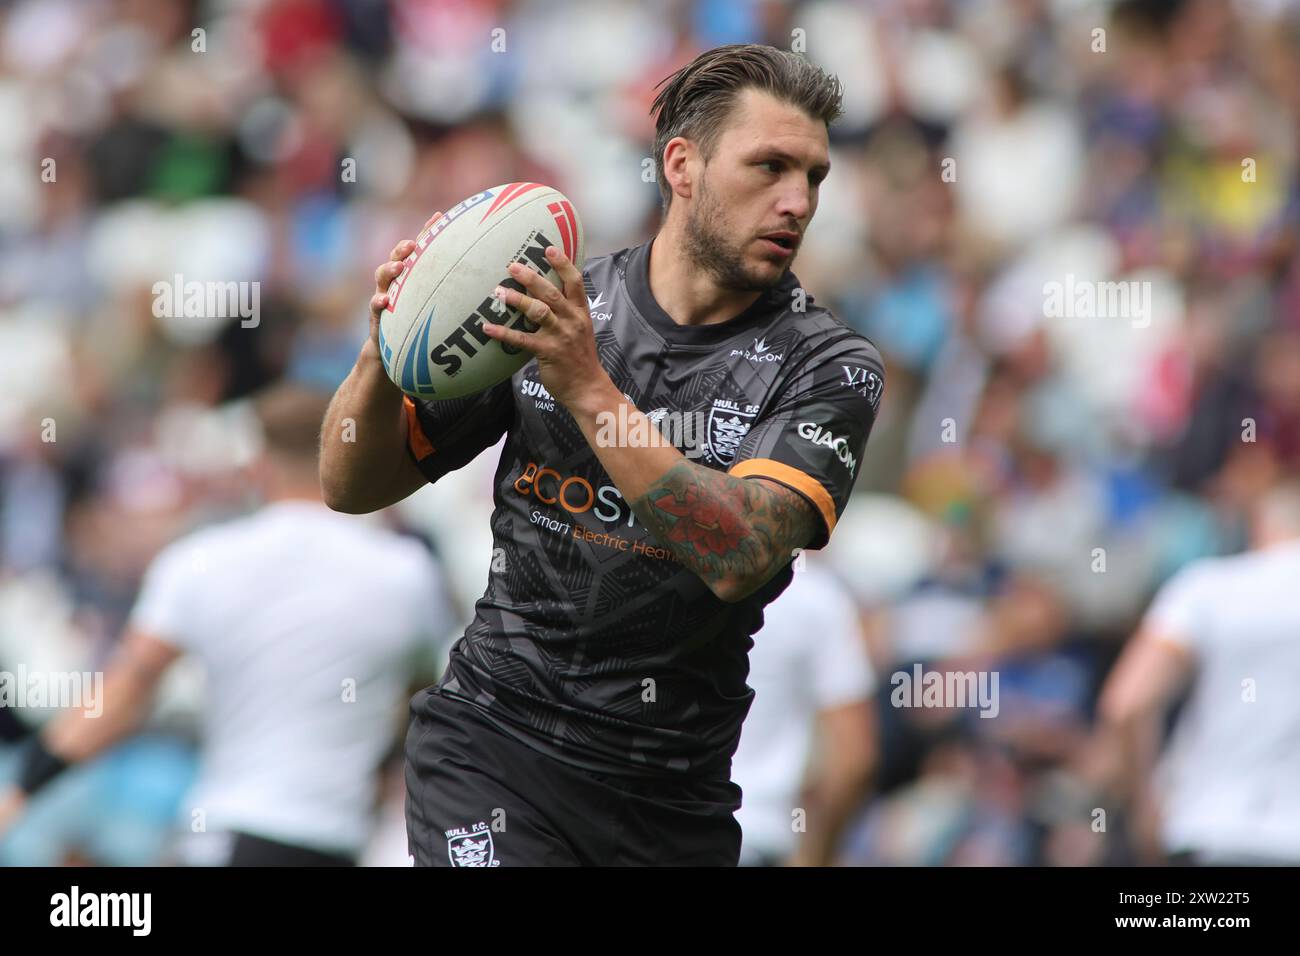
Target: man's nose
{"type": "Point", "coordinates": [796, 203]}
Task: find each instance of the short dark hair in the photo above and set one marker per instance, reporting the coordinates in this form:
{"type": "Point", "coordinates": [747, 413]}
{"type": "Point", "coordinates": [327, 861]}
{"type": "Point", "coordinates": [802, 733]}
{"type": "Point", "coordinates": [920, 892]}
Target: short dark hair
{"type": "Point", "coordinates": [291, 415]}
{"type": "Point", "coordinates": [697, 99]}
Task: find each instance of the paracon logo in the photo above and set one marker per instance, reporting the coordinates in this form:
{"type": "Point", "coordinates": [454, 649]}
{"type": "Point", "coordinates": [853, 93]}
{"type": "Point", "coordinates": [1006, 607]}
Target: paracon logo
{"type": "Point", "coordinates": [594, 305]}
{"type": "Point", "coordinates": [762, 353]}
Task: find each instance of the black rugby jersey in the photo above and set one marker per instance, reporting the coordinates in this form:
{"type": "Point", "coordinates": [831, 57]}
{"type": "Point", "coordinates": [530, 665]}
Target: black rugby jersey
{"type": "Point", "coordinates": [592, 643]}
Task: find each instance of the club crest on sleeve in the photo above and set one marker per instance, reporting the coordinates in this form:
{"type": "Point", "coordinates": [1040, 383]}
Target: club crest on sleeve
{"type": "Point", "coordinates": [729, 422]}
{"type": "Point", "coordinates": [471, 847]}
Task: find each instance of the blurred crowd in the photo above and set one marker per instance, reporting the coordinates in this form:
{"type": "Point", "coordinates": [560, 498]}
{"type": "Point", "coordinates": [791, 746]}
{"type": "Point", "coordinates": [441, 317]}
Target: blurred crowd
{"type": "Point", "coordinates": [1032, 479]}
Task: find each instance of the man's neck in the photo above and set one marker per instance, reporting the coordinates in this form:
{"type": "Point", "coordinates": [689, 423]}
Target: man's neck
{"type": "Point", "coordinates": [303, 494]}
{"type": "Point", "coordinates": [687, 293]}
{"type": "Point", "coordinates": [1277, 541]}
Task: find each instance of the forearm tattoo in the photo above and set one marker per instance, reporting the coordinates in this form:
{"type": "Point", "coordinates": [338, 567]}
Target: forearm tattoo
{"type": "Point", "coordinates": [733, 532]}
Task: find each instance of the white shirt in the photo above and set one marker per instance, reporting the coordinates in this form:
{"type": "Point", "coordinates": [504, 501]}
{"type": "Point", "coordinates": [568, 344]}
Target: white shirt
{"type": "Point", "coordinates": [310, 624]}
{"type": "Point", "coordinates": [1231, 776]}
{"type": "Point", "coordinates": [809, 656]}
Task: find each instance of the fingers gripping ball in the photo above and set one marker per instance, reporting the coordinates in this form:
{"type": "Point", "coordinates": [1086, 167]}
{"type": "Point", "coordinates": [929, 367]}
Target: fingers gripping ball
{"type": "Point", "coordinates": [431, 337]}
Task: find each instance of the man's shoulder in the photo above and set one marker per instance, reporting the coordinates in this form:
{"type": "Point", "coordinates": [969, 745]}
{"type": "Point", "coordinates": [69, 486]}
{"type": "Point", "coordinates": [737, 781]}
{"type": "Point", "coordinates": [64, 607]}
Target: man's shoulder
{"type": "Point", "coordinates": [200, 551]}
{"type": "Point", "coordinates": [221, 533]}
{"type": "Point", "coordinates": [608, 264]}
{"type": "Point", "coordinates": [824, 333]}
{"type": "Point", "coordinates": [823, 347]}
{"type": "Point", "coordinates": [1244, 569]}
{"type": "Point", "coordinates": [294, 521]}
{"type": "Point", "coordinates": [600, 276]}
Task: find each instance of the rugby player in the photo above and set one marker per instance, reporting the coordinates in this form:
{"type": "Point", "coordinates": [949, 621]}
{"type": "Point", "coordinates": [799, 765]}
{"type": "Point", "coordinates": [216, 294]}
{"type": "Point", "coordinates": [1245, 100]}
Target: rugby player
{"type": "Point", "coordinates": [808, 749]}
{"type": "Point", "coordinates": [1223, 631]}
{"type": "Point", "coordinates": [299, 702]}
{"type": "Point", "coordinates": [589, 714]}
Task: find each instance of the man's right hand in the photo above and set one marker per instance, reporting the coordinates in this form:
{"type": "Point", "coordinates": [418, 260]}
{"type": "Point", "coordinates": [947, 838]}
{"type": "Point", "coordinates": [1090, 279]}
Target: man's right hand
{"type": "Point", "coordinates": [372, 469]}
{"type": "Point", "coordinates": [384, 276]}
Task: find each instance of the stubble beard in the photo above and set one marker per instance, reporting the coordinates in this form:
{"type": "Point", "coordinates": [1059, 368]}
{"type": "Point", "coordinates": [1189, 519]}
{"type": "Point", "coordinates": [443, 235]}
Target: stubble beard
{"type": "Point", "coordinates": [709, 247]}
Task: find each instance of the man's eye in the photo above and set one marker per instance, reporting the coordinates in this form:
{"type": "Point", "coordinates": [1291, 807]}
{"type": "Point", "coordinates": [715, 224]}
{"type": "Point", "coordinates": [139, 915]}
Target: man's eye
{"type": "Point", "coordinates": [776, 166]}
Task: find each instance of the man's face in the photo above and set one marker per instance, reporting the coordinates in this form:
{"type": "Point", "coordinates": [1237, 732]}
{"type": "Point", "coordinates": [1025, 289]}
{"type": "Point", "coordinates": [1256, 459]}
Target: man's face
{"type": "Point", "coordinates": [761, 181]}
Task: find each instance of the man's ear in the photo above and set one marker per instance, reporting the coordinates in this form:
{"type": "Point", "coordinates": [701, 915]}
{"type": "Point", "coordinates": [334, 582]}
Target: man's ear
{"type": "Point", "coordinates": [679, 159]}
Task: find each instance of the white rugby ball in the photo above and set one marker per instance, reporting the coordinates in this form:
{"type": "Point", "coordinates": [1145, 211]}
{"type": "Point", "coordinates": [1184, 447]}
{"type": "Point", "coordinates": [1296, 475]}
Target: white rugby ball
{"type": "Point", "coordinates": [431, 336]}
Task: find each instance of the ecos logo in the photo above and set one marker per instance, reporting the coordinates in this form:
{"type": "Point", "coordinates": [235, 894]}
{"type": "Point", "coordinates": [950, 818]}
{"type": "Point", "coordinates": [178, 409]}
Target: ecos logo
{"type": "Point", "coordinates": [459, 341]}
{"type": "Point", "coordinates": [574, 494]}
{"type": "Point", "coordinates": [820, 436]}
{"type": "Point", "coordinates": [761, 352]}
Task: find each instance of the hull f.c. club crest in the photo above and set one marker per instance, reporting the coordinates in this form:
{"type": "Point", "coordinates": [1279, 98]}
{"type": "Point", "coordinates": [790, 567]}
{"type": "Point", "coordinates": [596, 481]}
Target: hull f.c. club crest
{"type": "Point", "coordinates": [471, 849]}
{"type": "Point", "coordinates": [729, 422]}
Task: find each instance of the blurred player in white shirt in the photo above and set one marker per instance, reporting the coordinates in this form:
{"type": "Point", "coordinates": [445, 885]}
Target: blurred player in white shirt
{"type": "Point", "coordinates": [312, 626]}
{"type": "Point", "coordinates": [813, 684]}
{"type": "Point", "coordinates": [1227, 790]}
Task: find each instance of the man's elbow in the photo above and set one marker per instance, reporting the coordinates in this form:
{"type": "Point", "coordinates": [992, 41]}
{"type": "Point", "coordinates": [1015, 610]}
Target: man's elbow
{"type": "Point", "coordinates": [1127, 697]}
{"type": "Point", "coordinates": [346, 507]}
{"type": "Point", "coordinates": [726, 592]}
{"type": "Point", "coordinates": [343, 500]}
{"type": "Point", "coordinates": [859, 768]}
{"type": "Point", "coordinates": [733, 590]}
{"type": "Point", "coordinates": [1151, 671]}
{"type": "Point", "coordinates": [1118, 712]}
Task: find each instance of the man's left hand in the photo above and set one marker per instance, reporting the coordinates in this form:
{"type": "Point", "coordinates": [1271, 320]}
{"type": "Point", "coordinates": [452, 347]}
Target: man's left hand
{"type": "Point", "coordinates": [563, 342]}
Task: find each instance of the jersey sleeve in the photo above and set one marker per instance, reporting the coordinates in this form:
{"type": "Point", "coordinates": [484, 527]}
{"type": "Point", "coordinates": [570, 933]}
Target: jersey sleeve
{"type": "Point", "coordinates": [164, 608]}
{"type": "Point", "coordinates": [442, 436]}
{"type": "Point", "coordinates": [1180, 608]}
{"type": "Point", "coordinates": [813, 437]}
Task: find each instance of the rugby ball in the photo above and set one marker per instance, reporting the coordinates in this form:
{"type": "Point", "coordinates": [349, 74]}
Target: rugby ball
{"type": "Point", "coordinates": [431, 337]}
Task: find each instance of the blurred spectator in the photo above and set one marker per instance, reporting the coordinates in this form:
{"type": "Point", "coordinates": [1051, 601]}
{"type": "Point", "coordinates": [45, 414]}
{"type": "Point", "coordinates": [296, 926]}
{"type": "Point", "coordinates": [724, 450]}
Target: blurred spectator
{"type": "Point", "coordinates": [807, 748]}
{"type": "Point", "coordinates": [311, 626]}
{"type": "Point", "coordinates": [1228, 790]}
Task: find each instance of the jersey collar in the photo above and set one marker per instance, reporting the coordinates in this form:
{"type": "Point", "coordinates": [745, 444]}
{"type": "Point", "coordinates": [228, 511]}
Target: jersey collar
{"type": "Point", "coordinates": [766, 307]}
